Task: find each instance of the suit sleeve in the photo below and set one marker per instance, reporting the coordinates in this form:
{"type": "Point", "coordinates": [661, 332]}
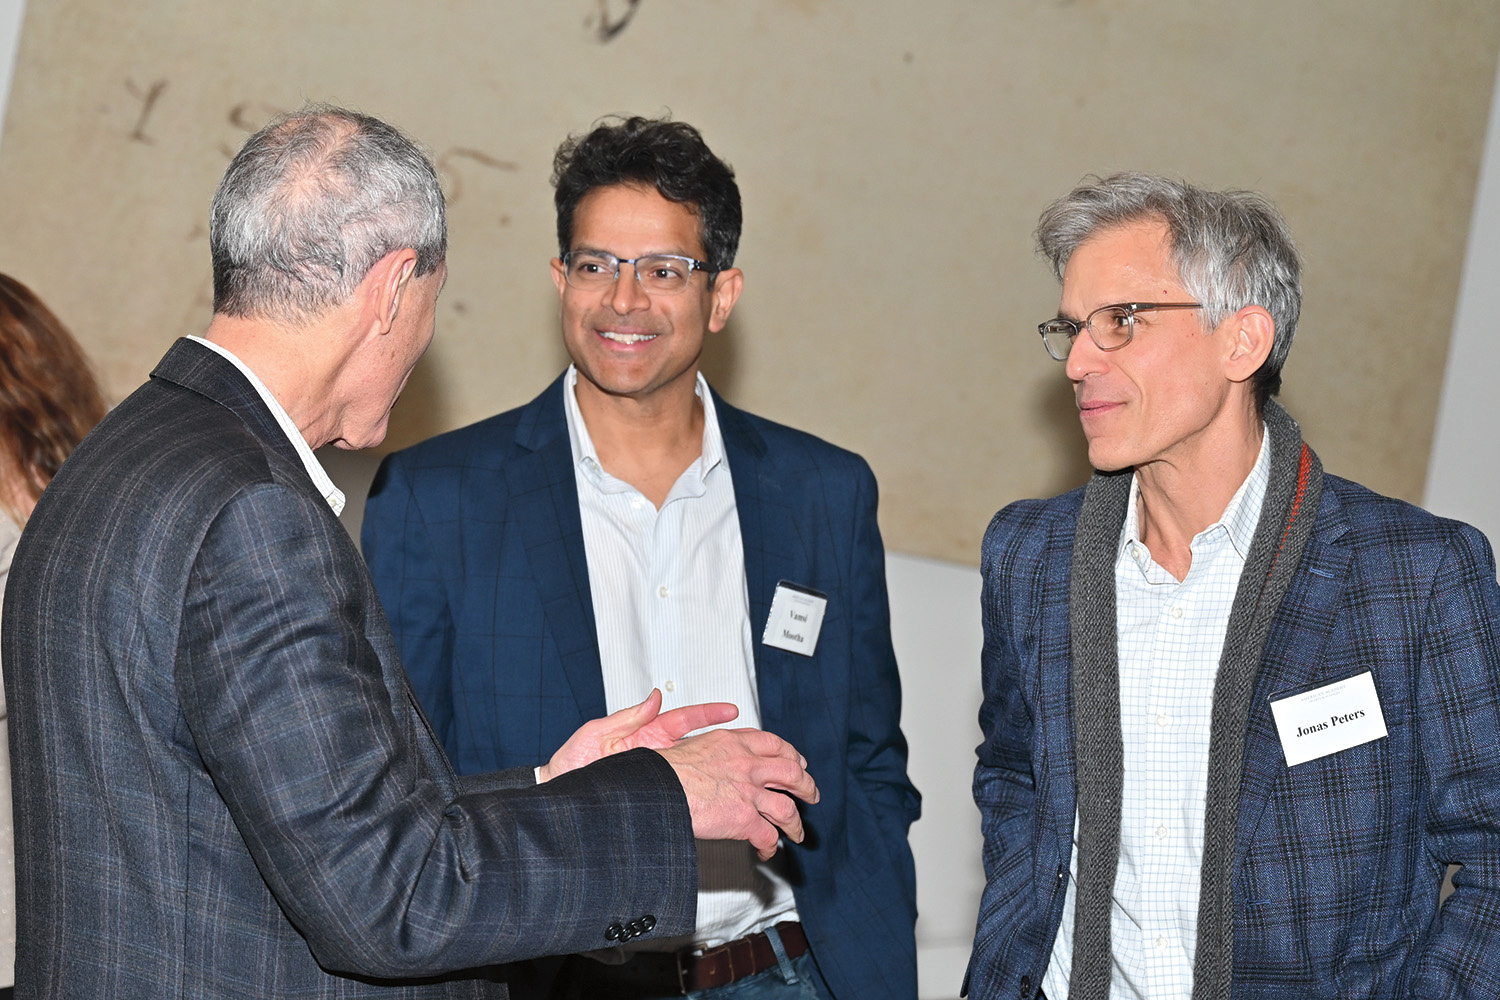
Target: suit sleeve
{"type": "Point", "coordinates": [387, 866]}
{"type": "Point", "coordinates": [1458, 715]}
{"type": "Point", "coordinates": [1005, 788]}
{"type": "Point", "coordinates": [400, 551]}
{"type": "Point", "coordinates": [877, 749]}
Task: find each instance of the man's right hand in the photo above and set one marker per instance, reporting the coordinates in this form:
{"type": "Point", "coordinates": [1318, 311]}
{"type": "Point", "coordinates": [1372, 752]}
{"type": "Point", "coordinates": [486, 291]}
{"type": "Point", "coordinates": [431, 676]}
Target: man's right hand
{"type": "Point", "coordinates": [740, 785]}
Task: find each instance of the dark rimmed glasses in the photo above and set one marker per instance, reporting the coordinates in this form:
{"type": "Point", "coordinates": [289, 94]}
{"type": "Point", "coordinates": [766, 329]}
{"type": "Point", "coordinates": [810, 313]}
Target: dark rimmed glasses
{"type": "Point", "coordinates": [658, 273]}
{"type": "Point", "coordinates": [1110, 327]}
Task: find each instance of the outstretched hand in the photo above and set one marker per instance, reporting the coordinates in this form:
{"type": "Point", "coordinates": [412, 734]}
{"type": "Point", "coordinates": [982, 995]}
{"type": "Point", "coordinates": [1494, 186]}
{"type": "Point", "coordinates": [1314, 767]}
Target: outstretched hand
{"type": "Point", "coordinates": [643, 725]}
{"type": "Point", "coordinates": [739, 785]}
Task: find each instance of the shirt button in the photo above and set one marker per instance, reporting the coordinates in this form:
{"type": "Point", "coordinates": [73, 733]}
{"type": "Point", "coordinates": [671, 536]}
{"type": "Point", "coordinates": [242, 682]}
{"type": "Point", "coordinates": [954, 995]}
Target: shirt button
{"type": "Point", "coordinates": [1135, 553]}
{"type": "Point", "coordinates": [1161, 942]}
{"type": "Point", "coordinates": [1176, 612]}
{"type": "Point", "coordinates": [1164, 720]}
{"type": "Point", "coordinates": [661, 591]}
{"type": "Point", "coordinates": [1161, 832]}
{"type": "Point", "coordinates": [670, 685]}
{"type": "Point", "coordinates": [636, 502]}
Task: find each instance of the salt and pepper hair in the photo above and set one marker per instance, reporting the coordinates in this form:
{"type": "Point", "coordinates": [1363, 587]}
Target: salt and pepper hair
{"type": "Point", "coordinates": [1232, 249]}
{"type": "Point", "coordinates": [311, 203]}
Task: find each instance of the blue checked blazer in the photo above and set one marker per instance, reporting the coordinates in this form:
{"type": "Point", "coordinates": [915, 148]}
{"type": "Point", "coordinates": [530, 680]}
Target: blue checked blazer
{"type": "Point", "coordinates": [476, 545]}
{"type": "Point", "coordinates": [224, 788]}
{"type": "Point", "coordinates": [1338, 861]}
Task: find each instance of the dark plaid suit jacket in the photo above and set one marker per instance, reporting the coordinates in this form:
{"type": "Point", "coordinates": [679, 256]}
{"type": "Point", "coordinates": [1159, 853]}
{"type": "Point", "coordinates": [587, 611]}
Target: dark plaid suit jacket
{"type": "Point", "coordinates": [475, 542]}
{"type": "Point", "coordinates": [1338, 861]}
{"type": "Point", "coordinates": [223, 785]}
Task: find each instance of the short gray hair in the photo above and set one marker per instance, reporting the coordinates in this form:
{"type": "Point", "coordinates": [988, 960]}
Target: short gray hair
{"type": "Point", "coordinates": [1232, 249]}
{"type": "Point", "coordinates": [310, 203]}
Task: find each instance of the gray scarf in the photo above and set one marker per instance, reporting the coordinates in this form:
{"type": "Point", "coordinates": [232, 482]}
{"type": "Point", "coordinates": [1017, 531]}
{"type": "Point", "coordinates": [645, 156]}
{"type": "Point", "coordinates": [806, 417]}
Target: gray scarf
{"type": "Point", "coordinates": [1286, 520]}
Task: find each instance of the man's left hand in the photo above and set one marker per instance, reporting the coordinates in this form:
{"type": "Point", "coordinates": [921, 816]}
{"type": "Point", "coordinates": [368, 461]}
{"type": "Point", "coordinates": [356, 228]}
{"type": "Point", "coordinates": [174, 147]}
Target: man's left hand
{"type": "Point", "coordinates": [643, 725]}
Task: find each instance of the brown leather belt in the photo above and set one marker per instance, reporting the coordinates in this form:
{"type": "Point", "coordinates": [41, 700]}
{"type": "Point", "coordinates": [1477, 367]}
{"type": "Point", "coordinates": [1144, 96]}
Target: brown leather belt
{"type": "Point", "coordinates": [650, 973]}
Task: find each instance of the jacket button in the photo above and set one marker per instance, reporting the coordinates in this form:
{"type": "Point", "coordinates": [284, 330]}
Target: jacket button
{"type": "Point", "coordinates": [648, 921]}
{"type": "Point", "coordinates": [1025, 987]}
{"type": "Point", "coordinates": [613, 932]}
{"type": "Point", "coordinates": [1062, 872]}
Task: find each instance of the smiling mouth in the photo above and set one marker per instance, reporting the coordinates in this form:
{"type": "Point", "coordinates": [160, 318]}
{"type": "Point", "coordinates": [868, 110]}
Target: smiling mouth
{"type": "Point", "coordinates": [627, 338]}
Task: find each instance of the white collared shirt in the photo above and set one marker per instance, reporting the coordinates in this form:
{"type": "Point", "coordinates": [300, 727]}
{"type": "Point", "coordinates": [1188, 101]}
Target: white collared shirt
{"type": "Point", "coordinates": [331, 493]}
{"type": "Point", "coordinates": [1170, 637]}
{"type": "Point", "coordinates": [672, 611]}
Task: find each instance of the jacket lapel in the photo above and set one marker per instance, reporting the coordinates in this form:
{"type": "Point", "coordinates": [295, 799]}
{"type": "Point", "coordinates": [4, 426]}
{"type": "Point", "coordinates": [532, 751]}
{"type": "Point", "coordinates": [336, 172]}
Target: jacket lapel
{"type": "Point", "coordinates": [1293, 659]}
{"type": "Point", "coordinates": [773, 548]}
{"type": "Point", "coordinates": [544, 502]}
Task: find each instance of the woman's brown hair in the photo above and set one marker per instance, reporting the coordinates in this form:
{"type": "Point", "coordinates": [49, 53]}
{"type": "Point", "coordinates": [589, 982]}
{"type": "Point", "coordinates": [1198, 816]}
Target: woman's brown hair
{"type": "Point", "coordinates": [49, 398]}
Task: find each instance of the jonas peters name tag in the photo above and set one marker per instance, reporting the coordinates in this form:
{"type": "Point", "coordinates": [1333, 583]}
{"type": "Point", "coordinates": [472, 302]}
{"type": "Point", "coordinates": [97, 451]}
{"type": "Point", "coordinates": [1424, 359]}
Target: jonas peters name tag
{"type": "Point", "coordinates": [1328, 719]}
{"type": "Point", "coordinates": [796, 618]}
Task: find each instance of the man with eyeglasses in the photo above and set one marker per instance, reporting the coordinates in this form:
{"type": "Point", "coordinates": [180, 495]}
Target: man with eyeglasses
{"type": "Point", "coordinates": [628, 530]}
{"type": "Point", "coordinates": [1239, 715]}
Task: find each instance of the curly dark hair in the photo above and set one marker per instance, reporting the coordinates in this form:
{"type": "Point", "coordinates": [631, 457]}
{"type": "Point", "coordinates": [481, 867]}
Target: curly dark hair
{"type": "Point", "coordinates": [48, 396]}
{"type": "Point", "coordinates": [666, 155]}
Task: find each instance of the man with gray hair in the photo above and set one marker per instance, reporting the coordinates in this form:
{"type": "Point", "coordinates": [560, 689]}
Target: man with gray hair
{"type": "Point", "coordinates": [1238, 715]}
{"type": "Point", "coordinates": [224, 786]}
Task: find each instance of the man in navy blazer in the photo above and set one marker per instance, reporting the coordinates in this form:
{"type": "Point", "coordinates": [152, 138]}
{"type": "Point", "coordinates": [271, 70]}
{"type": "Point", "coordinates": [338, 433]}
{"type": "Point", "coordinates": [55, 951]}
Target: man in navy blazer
{"type": "Point", "coordinates": [224, 786]}
{"type": "Point", "coordinates": [1239, 715]}
{"type": "Point", "coordinates": [629, 529]}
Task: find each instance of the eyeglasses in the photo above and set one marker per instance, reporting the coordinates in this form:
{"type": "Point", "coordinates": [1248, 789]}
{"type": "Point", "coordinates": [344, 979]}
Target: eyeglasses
{"type": "Point", "coordinates": [658, 273]}
{"type": "Point", "coordinates": [1110, 327]}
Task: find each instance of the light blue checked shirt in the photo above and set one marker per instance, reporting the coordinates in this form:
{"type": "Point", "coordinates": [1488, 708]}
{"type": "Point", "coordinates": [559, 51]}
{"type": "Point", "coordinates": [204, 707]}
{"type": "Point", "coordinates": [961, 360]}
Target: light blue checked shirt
{"type": "Point", "coordinates": [1171, 634]}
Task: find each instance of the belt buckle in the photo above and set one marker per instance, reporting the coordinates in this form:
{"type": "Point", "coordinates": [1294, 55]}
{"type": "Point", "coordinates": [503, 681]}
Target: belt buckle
{"type": "Point", "coordinates": [686, 958]}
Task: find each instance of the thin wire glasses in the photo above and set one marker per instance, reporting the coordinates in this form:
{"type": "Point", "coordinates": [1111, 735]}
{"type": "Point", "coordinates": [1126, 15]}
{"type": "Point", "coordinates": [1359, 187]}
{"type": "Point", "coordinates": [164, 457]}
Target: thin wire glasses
{"type": "Point", "coordinates": [1110, 327]}
{"type": "Point", "coordinates": [658, 273]}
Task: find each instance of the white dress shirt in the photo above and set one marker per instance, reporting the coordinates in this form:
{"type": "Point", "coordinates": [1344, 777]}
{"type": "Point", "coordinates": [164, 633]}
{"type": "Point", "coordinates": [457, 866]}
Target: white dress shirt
{"type": "Point", "coordinates": [331, 493]}
{"type": "Point", "coordinates": [1170, 637]}
{"type": "Point", "coordinates": [672, 611]}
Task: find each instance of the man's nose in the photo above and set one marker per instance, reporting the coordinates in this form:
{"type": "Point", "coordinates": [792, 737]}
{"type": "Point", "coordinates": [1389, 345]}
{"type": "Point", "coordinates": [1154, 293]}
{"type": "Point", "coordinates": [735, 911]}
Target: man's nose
{"type": "Point", "coordinates": [1084, 357]}
{"type": "Point", "coordinates": [627, 295]}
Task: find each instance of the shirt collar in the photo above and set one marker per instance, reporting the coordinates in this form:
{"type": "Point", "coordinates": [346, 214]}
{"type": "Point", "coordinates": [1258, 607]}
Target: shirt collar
{"type": "Point", "coordinates": [585, 455]}
{"type": "Point", "coordinates": [331, 493]}
{"type": "Point", "coordinates": [1239, 519]}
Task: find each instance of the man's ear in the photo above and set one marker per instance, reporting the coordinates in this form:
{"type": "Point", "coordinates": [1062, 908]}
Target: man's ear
{"type": "Point", "coordinates": [1252, 334]}
{"type": "Point", "coordinates": [728, 284]}
{"type": "Point", "coordinates": [390, 278]}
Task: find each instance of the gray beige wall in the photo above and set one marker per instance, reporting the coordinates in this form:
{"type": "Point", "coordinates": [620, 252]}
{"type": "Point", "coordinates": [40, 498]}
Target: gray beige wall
{"type": "Point", "coordinates": [893, 158]}
{"type": "Point", "coordinates": [893, 161]}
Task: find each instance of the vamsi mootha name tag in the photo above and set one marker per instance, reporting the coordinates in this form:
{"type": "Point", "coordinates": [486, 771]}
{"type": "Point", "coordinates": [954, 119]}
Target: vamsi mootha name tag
{"type": "Point", "coordinates": [1328, 719]}
{"type": "Point", "coordinates": [796, 618]}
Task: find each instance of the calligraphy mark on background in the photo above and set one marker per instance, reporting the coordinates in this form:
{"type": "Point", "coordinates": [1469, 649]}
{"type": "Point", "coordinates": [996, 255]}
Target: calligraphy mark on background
{"type": "Point", "coordinates": [448, 167]}
{"type": "Point", "coordinates": [148, 99]}
{"type": "Point", "coordinates": [248, 117]}
{"type": "Point", "coordinates": [608, 29]}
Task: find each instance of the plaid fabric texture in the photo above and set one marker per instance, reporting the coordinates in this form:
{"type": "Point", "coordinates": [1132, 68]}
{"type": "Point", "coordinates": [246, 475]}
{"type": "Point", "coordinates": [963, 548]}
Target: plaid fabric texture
{"type": "Point", "coordinates": [1338, 862]}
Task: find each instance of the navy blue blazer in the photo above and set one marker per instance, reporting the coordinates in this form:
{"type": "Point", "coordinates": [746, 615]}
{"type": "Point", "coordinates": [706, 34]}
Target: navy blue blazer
{"type": "Point", "coordinates": [475, 542]}
{"type": "Point", "coordinates": [1338, 861]}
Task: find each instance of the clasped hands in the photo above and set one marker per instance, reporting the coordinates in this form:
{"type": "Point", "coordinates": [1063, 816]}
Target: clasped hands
{"type": "Point", "coordinates": [739, 783]}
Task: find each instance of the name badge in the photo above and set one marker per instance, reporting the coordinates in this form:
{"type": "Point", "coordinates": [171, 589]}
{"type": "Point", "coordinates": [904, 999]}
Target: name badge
{"type": "Point", "coordinates": [796, 618]}
{"type": "Point", "coordinates": [1328, 719]}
